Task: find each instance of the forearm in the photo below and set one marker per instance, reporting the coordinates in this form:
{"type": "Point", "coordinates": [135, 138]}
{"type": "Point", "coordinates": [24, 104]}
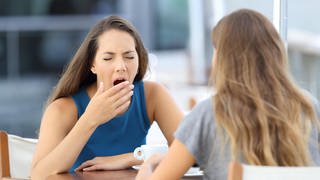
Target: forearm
{"type": "Point", "coordinates": [117, 162]}
{"type": "Point", "coordinates": [62, 157]}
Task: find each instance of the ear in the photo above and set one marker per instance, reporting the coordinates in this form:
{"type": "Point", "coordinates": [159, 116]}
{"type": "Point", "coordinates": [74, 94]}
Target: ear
{"type": "Point", "coordinates": [93, 69]}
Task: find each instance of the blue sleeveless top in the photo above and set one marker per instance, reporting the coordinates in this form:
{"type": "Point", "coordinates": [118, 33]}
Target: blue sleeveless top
{"type": "Point", "coordinates": [120, 135]}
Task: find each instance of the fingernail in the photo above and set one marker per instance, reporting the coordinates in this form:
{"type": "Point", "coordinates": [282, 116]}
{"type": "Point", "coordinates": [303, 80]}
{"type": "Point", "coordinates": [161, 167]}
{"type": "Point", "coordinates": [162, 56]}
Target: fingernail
{"type": "Point", "coordinates": [131, 86]}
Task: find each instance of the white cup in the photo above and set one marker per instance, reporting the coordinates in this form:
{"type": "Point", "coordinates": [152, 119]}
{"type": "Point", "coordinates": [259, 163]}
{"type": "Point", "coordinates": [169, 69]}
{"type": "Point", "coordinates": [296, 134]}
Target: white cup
{"type": "Point", "coordinates": [145, 151]}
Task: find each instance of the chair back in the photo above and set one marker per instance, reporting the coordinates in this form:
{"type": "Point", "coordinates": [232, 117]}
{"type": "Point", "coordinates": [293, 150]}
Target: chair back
{"type": "Point", "coordinates": [19, 155]}
{"type": "Point", "coordinates": [239, 171]}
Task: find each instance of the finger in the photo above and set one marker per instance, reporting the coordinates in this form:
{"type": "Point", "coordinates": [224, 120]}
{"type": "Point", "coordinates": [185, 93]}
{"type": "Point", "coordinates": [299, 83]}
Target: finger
{"type": "Point", "coordinates": [115, 89]}
{"type": "Point", "coordinates": [84, 165]}
{"type": "Point", "coordinates": [91, 168]}
{"type": "Point", "coordinates": [80, 167]}
{"type": "Point", "coordinates": [122, 100]}
{"type": "Point", "coordinates": [122, 108]}
{"type": "Point", "coordinates": [123, 92]}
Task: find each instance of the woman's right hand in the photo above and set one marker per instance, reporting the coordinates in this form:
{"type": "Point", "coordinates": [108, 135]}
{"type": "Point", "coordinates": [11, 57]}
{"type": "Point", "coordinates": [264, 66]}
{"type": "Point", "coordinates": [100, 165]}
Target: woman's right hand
{"type": "Point", "coordinates": [149, 166]}
{"type": "Point", "coordinates": [106, 104]}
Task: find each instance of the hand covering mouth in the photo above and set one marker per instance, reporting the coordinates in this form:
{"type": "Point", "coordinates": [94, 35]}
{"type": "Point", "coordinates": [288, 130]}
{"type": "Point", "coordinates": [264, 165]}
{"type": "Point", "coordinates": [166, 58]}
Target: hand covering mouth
{"type": "Point", "coordinates": [118, 81]}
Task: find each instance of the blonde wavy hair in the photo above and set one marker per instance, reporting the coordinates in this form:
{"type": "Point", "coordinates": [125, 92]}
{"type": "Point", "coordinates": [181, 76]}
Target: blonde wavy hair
{"type": "Point", "coordinates": [264, 115]}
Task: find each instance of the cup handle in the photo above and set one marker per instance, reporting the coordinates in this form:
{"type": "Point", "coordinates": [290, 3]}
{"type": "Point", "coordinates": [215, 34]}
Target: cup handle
{"type": "Point", "coordinates": [138, 153]}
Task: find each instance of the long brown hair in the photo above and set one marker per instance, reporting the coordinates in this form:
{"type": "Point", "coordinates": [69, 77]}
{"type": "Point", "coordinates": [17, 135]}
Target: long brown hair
{"type": "Point", "coordinates": [260, 110]}
{"type": "Point", "coordinates": [78, 74]}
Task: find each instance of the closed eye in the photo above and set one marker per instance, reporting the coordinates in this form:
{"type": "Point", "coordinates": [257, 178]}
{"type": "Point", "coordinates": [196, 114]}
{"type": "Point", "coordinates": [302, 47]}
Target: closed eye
{"type": "Point", "coordinates": [129, 57]}
{"type": "Point", "coordinates": [107, 59]}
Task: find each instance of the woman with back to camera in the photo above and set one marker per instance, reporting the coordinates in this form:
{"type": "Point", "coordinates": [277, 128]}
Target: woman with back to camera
{"type": "Point", "coordinates": [257, 114]}
{"type": "Point", "coordinates": [101, 109]}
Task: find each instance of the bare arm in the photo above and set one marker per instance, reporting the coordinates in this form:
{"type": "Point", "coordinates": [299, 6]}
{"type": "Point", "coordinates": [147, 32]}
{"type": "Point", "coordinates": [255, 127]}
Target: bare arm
{"type": "Point", "coordinates": [163, 109]}
{"type": "Point", "coordinates": [58, 133]}
{"type": "Point", "coordinates": [122, 161]}
{"type": "Point", "coordinates": [62, 136]}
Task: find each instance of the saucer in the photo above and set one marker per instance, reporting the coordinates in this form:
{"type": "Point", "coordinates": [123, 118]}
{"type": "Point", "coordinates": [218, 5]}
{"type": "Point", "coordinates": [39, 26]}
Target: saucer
{"type": "Point", "coordinates": [192, 172]}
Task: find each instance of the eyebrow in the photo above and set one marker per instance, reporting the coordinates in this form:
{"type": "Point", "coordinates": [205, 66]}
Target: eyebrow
{"type": "Point", "coordinates": [112, 53]}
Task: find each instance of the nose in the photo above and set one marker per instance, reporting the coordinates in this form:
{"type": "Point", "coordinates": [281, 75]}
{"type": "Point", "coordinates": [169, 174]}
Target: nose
{"type": "Point", "coordinates": [120, 66]}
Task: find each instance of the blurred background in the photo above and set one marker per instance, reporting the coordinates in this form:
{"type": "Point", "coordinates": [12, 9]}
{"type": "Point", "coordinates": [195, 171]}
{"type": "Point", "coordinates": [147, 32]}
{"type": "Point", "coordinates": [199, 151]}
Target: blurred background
{"type": "Point", "coordinates": [39, 37]}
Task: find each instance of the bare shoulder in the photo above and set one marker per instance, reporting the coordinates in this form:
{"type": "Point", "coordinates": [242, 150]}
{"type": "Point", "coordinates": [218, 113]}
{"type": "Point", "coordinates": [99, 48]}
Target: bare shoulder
{"type": "Point", "coordinates": [153, 88]}
{"type": "Point", "coordinates": [62, 113]}
{"type": "Point", "coordinates": [63, 105]}
{"type": "Point", "coordinates": [163, 108]}
{"type": "Point", "coordinates": [153, 92]}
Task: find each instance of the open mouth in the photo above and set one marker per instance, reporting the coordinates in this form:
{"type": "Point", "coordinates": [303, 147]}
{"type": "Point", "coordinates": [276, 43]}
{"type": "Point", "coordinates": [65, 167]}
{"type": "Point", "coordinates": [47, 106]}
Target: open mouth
{"type": "Point", "coordinates": [118, 81]}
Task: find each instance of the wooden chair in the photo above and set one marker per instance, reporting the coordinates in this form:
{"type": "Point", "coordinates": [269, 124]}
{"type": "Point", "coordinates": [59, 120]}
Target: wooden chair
{"type": "Point", "coordinates": [15, 155]}
{"type": "Point", "coordinates": [239, 171]}
{"type": "Point", "coordinates": [4, 155]}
